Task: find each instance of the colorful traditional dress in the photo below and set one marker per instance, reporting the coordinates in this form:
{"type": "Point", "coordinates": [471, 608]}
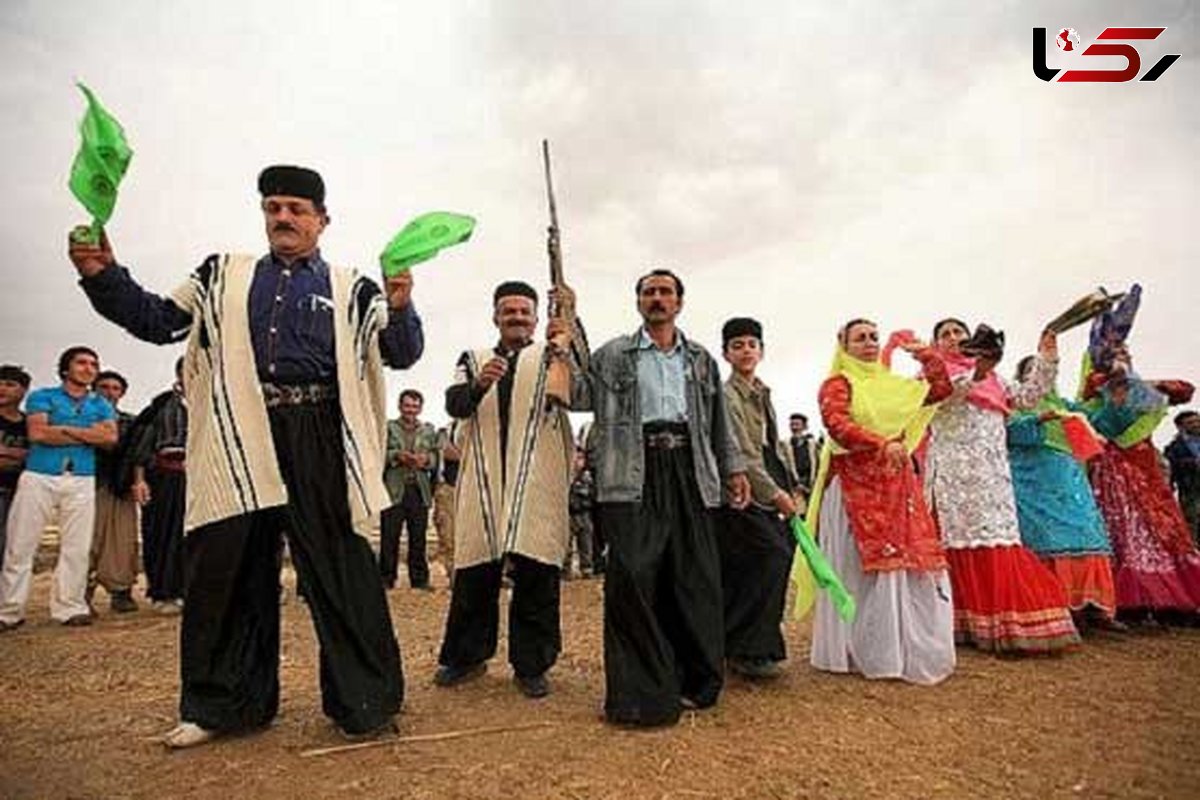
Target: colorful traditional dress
{"type": "Point", "coordinates": [1058, 516]}
{"type": "Point", "coordinates": [1156, 564]}
{"type": "Point", "coordinates": [876, 531]}
{"type": "Point", "coordinates": [1005, 598]}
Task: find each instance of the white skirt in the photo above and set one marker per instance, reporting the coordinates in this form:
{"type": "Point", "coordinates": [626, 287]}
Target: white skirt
{"type": "Point", "coordinates": [904, 627]}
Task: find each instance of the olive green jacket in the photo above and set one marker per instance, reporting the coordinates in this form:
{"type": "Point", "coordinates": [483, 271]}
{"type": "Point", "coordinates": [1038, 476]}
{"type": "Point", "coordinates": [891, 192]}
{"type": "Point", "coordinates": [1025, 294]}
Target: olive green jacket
{"type": "Point", "coordinates": [422, 439]}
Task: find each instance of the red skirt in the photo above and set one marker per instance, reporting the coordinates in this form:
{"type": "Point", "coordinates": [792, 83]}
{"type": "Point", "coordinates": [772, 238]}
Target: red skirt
{"type": "Point", "coordinates": [1087, 580]}
{"type": "Point", "coordinates": [1005, 600]}
{"type": "Point", "coordinates": [1155, 564]}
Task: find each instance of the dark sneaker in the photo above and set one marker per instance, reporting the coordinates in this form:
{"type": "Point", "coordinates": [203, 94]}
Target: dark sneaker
{"type": "Point", "coordinates": [122, 602]}
{"type": "Point", "coordinates": [388, 728]}
{"type": "Point", "coordinates": [452, 676]}
{"type": "Point", "coordinates": [5, 627]}
{"type": "Point", "coordinates": [78, 621]}
{"type": "Point", "coordinates": [423, 587]}
{"type": "Point", "coordinates": [533, 686]}
{"type": "Point", "coordinates": [754, 668]}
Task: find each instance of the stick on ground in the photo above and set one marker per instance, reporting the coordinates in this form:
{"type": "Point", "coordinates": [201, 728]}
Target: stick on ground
{"type": "Point", "coordinates": [423, 737]}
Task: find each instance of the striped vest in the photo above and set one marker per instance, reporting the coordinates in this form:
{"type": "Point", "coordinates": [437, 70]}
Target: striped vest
{"type": "Point", "coordinates": [527, 513]}
{"type": "Point", "coordinates": [232, 467]}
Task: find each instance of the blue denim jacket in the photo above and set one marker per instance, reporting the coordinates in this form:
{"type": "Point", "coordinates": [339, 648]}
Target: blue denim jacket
{"type": "Point", "coordinates": [610, 391]}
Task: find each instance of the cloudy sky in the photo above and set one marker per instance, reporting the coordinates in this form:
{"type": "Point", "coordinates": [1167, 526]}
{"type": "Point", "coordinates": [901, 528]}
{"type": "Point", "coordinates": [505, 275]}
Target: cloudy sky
{"type": "Point", "coordinates": [799, 162]}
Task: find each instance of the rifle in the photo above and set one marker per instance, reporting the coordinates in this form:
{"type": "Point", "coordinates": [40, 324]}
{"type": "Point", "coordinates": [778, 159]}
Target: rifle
{"type": "Point", "coordinates": [557, 309]}
{"type": "Point", "coordinates": [561, 305]}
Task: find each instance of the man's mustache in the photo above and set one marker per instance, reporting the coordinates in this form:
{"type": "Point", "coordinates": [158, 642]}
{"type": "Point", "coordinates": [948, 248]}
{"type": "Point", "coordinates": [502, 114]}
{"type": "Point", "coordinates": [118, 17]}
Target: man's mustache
{"type": "Point", "coordinates": [657, 307]}
{"type": "Point", "coordinates": [283, 226]}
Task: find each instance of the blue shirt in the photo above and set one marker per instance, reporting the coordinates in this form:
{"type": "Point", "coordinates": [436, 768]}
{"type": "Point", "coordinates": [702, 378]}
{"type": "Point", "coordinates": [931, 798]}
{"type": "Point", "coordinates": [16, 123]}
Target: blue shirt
{"type": "Point", "coordinates": [291, 321]}
{"type": "Point", "coordinates": [662, 390]}
{"type": "Point", "coordinates": [62, 409]}
{"type": "Point", "coordinates": [299, 349]}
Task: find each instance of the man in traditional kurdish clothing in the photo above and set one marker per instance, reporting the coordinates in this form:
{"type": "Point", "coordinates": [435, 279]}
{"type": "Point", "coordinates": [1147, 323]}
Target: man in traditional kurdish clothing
{"type": "Point", "coordinates": [411, 450]}
{"type": "Point", "coordinates": [663, 451]}
{"type": "Point", "coordinates": [159, 454]}
{"type": "Point", "coordinates": [113, 559]}
{"type": "Point", "coordinates": [285, 392]}
{"type": "Point", "coordinates": [755, 543]}
{"type": "Point", "coordinates": [511, 499]}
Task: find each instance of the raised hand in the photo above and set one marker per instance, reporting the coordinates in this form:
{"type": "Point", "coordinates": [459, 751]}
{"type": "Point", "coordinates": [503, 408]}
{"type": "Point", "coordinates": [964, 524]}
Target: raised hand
{"type": "Point", "coordinates": [399, 290]}
{"type": "Point", "coordinates": [492, 371]}
{"type": "Point", "coordinates": [90, 258]}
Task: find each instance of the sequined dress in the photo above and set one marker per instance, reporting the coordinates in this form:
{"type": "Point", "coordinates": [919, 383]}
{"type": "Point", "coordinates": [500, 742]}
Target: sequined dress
{"type": "Point", "coordinates": [1005, 599]}
{"type": "Point", "coordinates": [1155, 563]}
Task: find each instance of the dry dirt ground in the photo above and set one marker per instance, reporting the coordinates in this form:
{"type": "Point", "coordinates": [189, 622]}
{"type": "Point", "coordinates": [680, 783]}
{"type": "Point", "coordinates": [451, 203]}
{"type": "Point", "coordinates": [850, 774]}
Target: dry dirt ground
{"type": "Point", "coordinates": [80, 710]}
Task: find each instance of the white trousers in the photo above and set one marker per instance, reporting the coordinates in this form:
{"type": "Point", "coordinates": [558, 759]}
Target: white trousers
{"type": "Point", "coordinates": [905, 623]}
{"type": "Point", "coordinates": [69, 500]}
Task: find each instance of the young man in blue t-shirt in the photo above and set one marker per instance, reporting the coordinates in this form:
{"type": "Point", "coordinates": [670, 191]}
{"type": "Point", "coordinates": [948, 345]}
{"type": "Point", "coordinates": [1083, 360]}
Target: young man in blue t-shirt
{"type": "Point", "coordinates": [66, 424]}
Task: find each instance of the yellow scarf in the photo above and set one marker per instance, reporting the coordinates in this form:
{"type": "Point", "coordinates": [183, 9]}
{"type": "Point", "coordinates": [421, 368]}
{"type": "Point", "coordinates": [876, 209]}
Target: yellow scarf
{"type": "Point", "coordinates": [881, 401]}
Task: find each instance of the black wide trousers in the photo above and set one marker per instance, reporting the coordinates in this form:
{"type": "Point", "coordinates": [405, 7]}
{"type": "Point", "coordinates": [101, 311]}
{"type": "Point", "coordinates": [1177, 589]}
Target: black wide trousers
{"type": "Point", "coordinates": [663, 629]}
{"type": "Point", "coordinates": [756, 560]}
{"type": "Point", "coordinates": [162, 535]}
{"type": "Point", "coordinates": [229, 639]}
{"type": "Point", "coordinates": [473, 624]}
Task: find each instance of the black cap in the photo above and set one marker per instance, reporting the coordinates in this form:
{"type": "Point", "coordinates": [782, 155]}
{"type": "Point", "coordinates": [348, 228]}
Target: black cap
{"type": "Point", "coordinates": [292, 181]}
{"type": "Point", "coordinates": [11, 372]}
{"type": "Point", "coordinates": [514, 289]}
{"type": "Point", "coordinates": [740, 326]}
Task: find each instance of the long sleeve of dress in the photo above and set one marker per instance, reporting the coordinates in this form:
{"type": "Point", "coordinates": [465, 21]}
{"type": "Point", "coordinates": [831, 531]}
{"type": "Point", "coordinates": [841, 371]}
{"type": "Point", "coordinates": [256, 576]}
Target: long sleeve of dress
{"type": "Point", "coordinates": [1177, 392]}
{"type": "Point", "coordinates": [1025, 430]}
{"type": "Point", "coordinates": [934, 370]}
{"type": "Point", "coordinates": [834, 400]}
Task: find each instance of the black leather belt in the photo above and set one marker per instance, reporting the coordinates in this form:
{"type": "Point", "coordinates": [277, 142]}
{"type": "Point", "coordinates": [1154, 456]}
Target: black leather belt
{"type": "Point", "coordinates": [304, 394]}
{"type": "Point", "coordinates": [666, 436]}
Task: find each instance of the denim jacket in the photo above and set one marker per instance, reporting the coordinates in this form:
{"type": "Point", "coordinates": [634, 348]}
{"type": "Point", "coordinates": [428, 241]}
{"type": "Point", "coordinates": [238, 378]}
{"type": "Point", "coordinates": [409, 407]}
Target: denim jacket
{"type": "Point", "coordinates": [610, 391]}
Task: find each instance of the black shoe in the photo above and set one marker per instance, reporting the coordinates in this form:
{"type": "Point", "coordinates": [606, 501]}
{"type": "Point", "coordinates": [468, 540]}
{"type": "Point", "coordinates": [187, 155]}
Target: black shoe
{"type": "Point", "coordinates": [388, 728]}
{"type": "Point", "coordinates": [78, 621]}
{"type": "Point", "coordinates": [754, 668]}
{"type": "Point", "coordinates": [533, 686]}
{"type": "Point", "coordinates": [122, 602]}
{"type": "Point", "coordinates": [452, 676]}
{"type": "Point", "coordinates": [423, 587]}
{"type": "Point", "coordinates": [5, 627]}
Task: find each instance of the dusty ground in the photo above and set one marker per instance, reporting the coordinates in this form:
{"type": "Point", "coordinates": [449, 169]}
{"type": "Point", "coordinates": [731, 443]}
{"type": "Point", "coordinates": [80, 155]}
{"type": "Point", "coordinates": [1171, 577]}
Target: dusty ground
{"type": "Point", "coordinates": [79, 710]}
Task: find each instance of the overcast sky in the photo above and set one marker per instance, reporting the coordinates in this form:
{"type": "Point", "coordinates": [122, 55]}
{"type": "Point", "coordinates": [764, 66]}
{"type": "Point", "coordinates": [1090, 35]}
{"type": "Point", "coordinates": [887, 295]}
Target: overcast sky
{"type": "Point", "coordinates": [799, 162]}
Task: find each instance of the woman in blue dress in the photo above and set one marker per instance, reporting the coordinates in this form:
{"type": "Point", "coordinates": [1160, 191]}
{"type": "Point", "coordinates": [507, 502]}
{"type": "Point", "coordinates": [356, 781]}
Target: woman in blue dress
{"type": "Point", "coordinates": [1058, 516]}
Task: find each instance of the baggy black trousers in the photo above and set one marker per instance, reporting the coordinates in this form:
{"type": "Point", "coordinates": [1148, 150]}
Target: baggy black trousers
{"type": "Point", "coordinates": [412, 514]}
{"type": "Point", "coordinates": [473, 624]}
{"type": "Point", "coordinates": [229, 639]}
{"type": "Point", "coordinates": [663, 628]}
{"type": "Point", "coordinates": [756, 550]}
{"type": "Point", "coordinates": [162, 535]}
